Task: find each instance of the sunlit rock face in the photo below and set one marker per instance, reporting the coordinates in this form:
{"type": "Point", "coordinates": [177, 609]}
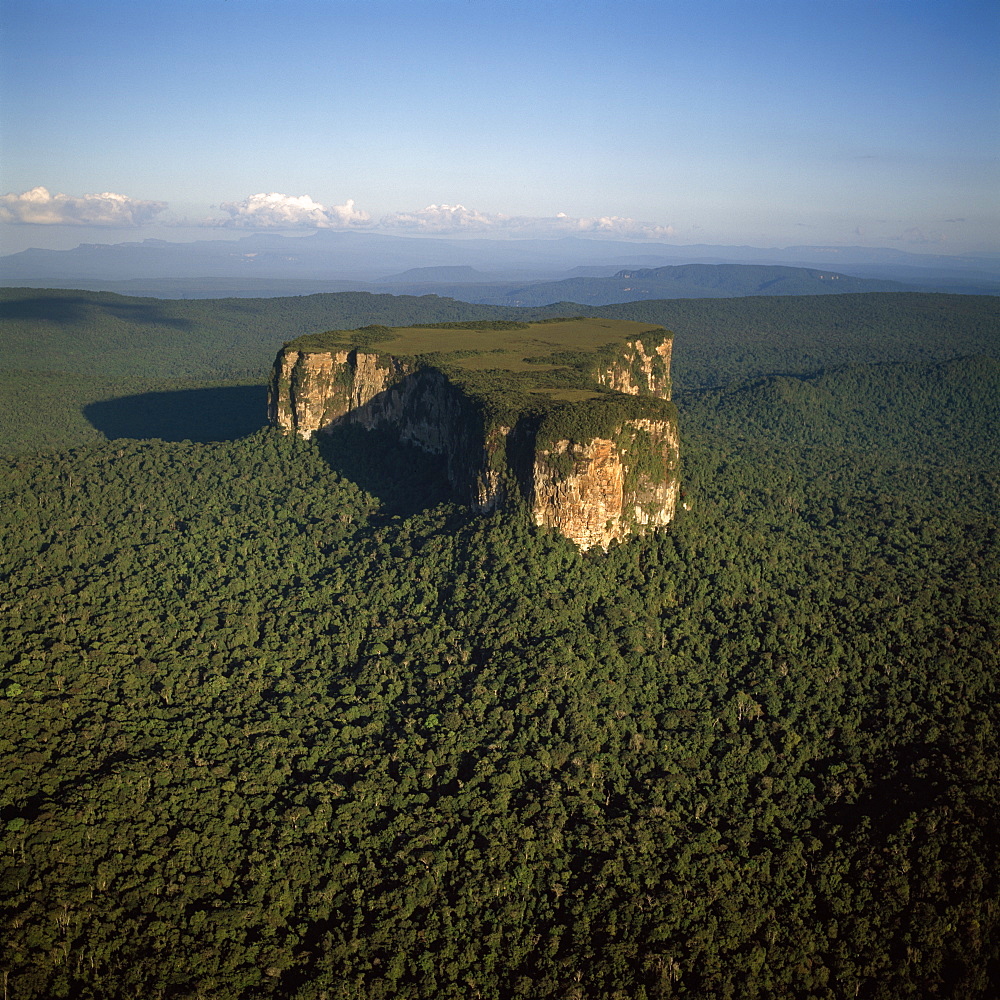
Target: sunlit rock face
{"type": "Point", "coordinates": [592, 489]}
{"type": "Point", "coordinates": [311, 391]}
{"type": "Point", "coordinates": [638, 372]}
{"type": "Point", "coordinates": [606, 495]}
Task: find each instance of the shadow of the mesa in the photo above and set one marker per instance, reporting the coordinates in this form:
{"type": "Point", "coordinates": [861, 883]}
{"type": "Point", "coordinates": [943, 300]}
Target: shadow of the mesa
{"type": "Point", "coordinates": [404, 478]}
{"type": "Point", "coordinates": [224, 413]}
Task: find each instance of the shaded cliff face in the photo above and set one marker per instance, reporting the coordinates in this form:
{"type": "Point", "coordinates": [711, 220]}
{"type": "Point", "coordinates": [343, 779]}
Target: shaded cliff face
{"type": "Point", "coordinates": [595, 468]}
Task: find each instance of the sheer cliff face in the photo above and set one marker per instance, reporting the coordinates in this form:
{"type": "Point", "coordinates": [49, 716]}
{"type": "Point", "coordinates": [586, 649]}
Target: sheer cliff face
{"type": "Point", "coordinates": [310, 391]}
{"type": "Point", "coordinates": [610, 487]}
{"type": "Point", "coordinates": [641, 370]}
{"type": "Point", "coordinates": [592, 489]}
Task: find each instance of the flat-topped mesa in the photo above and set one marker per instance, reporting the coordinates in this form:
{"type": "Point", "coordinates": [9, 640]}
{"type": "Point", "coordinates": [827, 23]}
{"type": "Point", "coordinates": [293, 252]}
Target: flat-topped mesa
{"type": "Point", "coordinates": [569, 417]}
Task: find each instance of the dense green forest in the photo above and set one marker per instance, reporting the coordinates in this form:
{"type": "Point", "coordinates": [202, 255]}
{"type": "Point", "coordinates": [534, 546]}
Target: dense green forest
{"type": "Point", "coordinates": [280, 720]}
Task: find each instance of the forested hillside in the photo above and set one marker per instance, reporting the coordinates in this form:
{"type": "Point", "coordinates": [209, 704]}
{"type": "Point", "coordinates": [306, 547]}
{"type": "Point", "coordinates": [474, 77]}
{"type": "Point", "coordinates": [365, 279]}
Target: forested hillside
{"type": "Point", "coordinates": [730, 340]}
{"type": "Point", "coordinates": [281, 721]}
{"type": "Point", "coordinates": [107, 335]}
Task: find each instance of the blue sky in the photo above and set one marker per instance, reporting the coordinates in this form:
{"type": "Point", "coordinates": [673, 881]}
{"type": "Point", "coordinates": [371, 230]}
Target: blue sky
{"type": "Point", "coordinates": [871, 122]}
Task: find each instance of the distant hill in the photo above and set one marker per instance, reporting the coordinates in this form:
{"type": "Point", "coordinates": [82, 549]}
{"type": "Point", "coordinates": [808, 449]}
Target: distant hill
{"type": "Point", "coordinates": [683, 281]}
{"type": "Point", "coordinates": [468, 284]}
{"type": "Point", "coordinates": [436, 274]}
{"type": "Point", "coordinates": [731, 280]}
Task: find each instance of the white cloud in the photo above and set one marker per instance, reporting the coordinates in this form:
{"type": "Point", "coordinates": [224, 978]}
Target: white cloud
{"type": "Point", "coordinates": [39, 208]}
{"type": "Point", "coordinates": [275, 210]}
{"type": "Point", "coordinates": [457, 219]}
{"type": "Point", "coordinates": [616, 225]}
{"type": "Point", "coordinates": [444, 219]}
{"type": "Point", "coordinates": [284, 211]}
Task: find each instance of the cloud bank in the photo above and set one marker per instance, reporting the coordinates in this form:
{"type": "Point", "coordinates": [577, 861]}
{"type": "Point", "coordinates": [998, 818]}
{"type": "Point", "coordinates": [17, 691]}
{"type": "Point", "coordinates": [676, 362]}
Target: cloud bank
{"type": "Point", "coordinates": [284, 211]}
{"type": "Point", "coordinates": [457, 219]}
{"type": "Point", "coordinates": [39, 208]}
{"type": "Point", "coordinates": [275, 210]}
{"type": "Point", "coordinates": [614, 225]}
{"type": "Point", "coordinates": [443, 219]}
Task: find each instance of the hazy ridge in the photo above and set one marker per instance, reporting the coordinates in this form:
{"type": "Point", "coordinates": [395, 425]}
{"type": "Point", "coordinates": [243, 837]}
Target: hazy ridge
{"type": "Point", "coordinates": [473, 269]}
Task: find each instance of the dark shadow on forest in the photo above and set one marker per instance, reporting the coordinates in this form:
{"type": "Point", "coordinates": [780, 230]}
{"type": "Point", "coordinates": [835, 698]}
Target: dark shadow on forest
{"type": "Point", "coordinates": [71, 309]}
{"type": "Point", "coordinates": [220, 414]}
{"type": "Point", "coordinates": [405, 478]}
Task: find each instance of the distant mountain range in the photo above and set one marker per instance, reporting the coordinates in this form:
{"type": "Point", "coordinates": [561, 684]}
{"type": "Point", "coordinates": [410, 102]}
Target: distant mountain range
{"type": "Point", "coordinates": [683, 281]}
{"type": "Point", "coordinates": [509, 272]}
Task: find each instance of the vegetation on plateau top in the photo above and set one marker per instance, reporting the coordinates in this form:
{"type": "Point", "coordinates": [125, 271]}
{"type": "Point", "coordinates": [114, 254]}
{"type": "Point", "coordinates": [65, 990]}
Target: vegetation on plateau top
{"type": "Point", "coordinates": [518, 368]}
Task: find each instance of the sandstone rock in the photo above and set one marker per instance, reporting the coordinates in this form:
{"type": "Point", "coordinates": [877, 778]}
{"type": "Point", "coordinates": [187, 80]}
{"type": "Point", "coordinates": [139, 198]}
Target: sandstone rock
{"type": "Point", "coordinates": [591, 487]}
